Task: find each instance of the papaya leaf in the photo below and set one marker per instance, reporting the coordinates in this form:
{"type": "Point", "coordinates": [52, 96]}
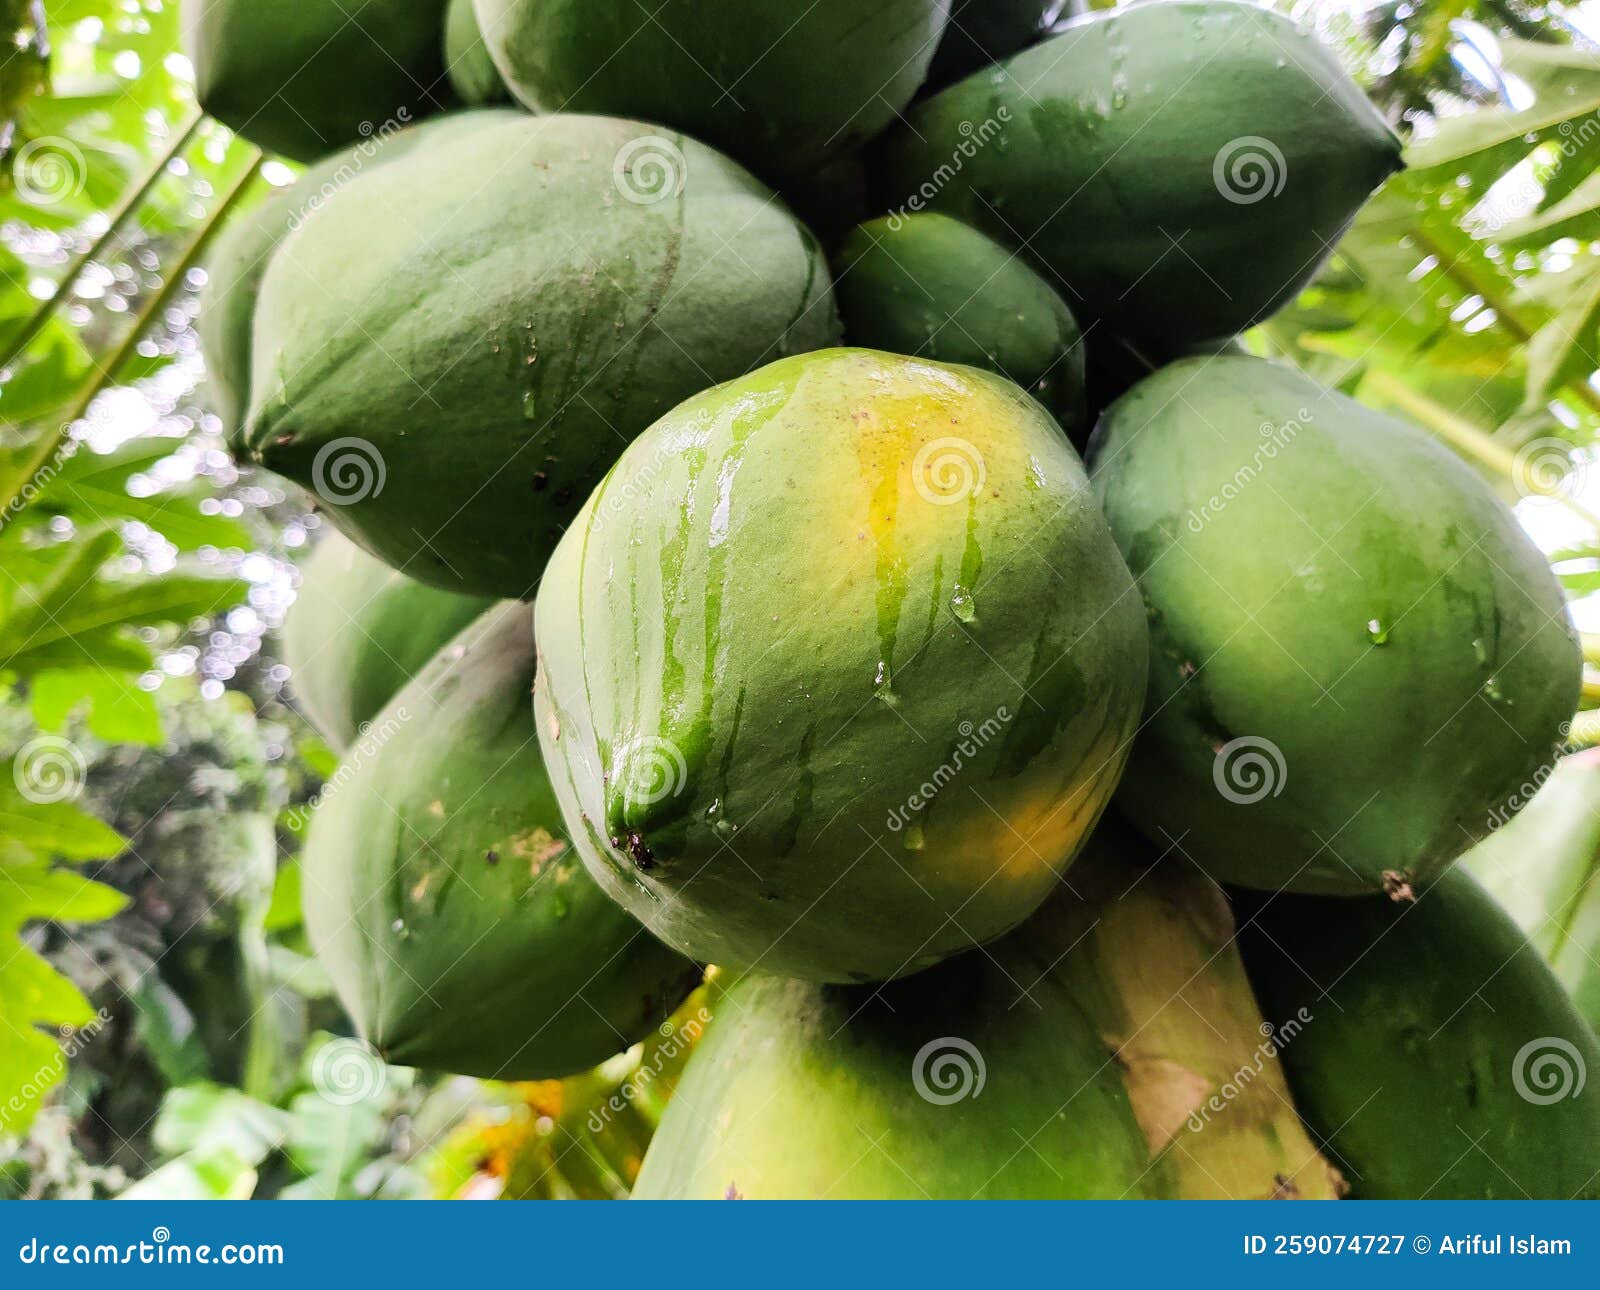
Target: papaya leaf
{"type": "Point", "coordinates": [32, 993]}
{"type": "Point", "coordinates": [1564, 350]}
{"type": "Point", "coordinates": [113, 706]}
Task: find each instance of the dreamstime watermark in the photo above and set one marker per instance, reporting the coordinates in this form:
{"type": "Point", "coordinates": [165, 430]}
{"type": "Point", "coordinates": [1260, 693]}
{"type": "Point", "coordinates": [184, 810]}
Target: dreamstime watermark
{"type": "Point", "coordinates": [947, 1070]}
{"type": "Point", "coordinates": [649, 169]}
{"type": "Point", "coordinates": [1519, 193]}
{"type": "Point", "coordinates": [23, 1097]}
{"type": "Point", "coordinates": [348, 470]}
{"type": "Point", "coordinates": [1547, 468]}
{"type": "Point", "coordinates": [946, 471]}
{"type": "Point", "coordinates": [1526, 791]}
{"type": "Point", "coordinates": [49, 769]}
{"type": "Point", "coordinates": [48, 170]}
{"type": "Point", "coordinates": [619, 496]}
{"type": "Point", "coordinates": [1274, 439]}
{"type": "Point", "coordinates": [650, 769]}
{"type": "Point", "coordinates": [38, 481]}
{"type": "Point", "coordinates": [372, 737]}
{"type": "Point", "coordinates": [1248, 769]}
{"type": "Point", "coordinates": [1276, 1039]}
{"type": "Point", "coordinates": [160, 1250]}
{"type": "Point", "coordinates": [1249, 169]}
{"type": "Point", "coordinates": [1548, 1070]}
{"type": "Point", "coordinates": [973, 739]}
{"type": "Point", "coordinates": [974, 138]}
{"type": "Point", "coordinates": [675, 1041]}
{"type": "Point", "coordinates": [346, 1071]}
{"type": "Point", "coordinates": [373, 137]}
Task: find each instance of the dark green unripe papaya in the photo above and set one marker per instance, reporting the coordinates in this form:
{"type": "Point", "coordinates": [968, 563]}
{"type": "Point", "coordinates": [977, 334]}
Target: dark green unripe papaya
{"type": "Point", "coordinates": [239, 258]}
{"type": "Point", "coordinates": [303, 77]}
{"type": "Point", "coordinates": [513, 306]}
{"type": "Point", "coordinates": [1181, 168]}
{"type": "Point", "coordinates": [781, 89]}
{"type": "Point", "coordinates": [930, 286]}
{"type": "Point", "coordinates": [1541, 866]}
{"type": "Point", "coordinates": [1114, 1032]}
{"type": "Point", "coordinates": [358, 631]}
{"type": "Point", "coordinates": [444, 898]}
{"type": "Point", "coordinates": [1357, 655]}
{"type": "Point", "coordinates": [838, 666]}
{"type": "Point", "coordinates": [1435, 1055]}
{"type": "Point", "coordinates": [467, 61]}
{"type": "Point", "coordinates": [981, 32]}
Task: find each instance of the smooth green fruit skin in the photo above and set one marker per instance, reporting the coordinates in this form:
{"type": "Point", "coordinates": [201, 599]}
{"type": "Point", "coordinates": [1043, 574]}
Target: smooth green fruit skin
{"type": "Point", "coordinates": [1083, 1024]}
{"type": "Point", "coordinates": [985, 31]}
{"type": "Point", "coordinates": [303, 77]}
{"type": "Point", "coordinates": [1126, 132]}
{"type": "Point", "coordinates": [781, 89]}
{"type": "Point", "coordinates": [239, 259]}
{"type": "Point", "coordinates": [812, 700]}
{"type": "Point", "coordinates": [358, 631]}
{"type": "Point", "coordinates": [467, 60]}
{"type": "Point", "coordinates": [1541, 866]}
{"type": "Point", "coordinates": [444, 899]}
{"type": "Point", "coordinates": [930, 286]}
{"type": "Point", "coordinates": [1337, 583]}
{"type": "Point", "coordinates": [1441, 1061]}
{"type": "Point", "coordinates": [505, 321]}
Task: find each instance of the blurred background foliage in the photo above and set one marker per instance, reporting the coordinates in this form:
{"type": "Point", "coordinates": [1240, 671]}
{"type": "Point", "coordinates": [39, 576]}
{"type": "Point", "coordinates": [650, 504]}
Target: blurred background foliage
{"type": "Point", "coordinates": [163, 1029]}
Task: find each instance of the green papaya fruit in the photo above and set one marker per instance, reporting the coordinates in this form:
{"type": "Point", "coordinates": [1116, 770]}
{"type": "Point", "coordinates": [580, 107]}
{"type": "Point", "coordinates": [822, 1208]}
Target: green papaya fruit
{"type": "Point", "coordinates": [1357, 655]}
{"type": "Point", "coordinates": [1542, 867]}
{"type": "Point", "coordinates": [444, 898]}
{"type": "Point", "coordinates": [358, 631]}
{"type": "Point", "coordinates": [781, 91]}
{"type": "Point", "coordinates": [511, 310]}
{"type": "Point", "coordinates": [981, 32]}
{"type": "Point", "coordinates": [238, 259]}
{"type": "Point", "coordinates": [303, 77]}
{"type": "Point", "coordinates": [838, 667]}
{"type": "Point", "coordinates": [467, 61]}
{"type": "Point", "coordinates": [1113, 1033]}
{"type": "Point", "coordinates": [1182, 168]}
{"type": "Point", "coordinates": [1434, 1055]}
{"type": "Point", "coordinates": [928, 285]}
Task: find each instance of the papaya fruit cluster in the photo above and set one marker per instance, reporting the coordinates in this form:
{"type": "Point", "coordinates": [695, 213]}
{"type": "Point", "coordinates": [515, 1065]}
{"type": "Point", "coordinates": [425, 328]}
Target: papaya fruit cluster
{"type": "Point", "coordinates": [702, 407]}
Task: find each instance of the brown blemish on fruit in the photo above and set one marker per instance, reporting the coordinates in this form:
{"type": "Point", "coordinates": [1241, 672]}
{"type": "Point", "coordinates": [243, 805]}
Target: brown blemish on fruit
{"type": "Point", "coordinates": [1397, 887]}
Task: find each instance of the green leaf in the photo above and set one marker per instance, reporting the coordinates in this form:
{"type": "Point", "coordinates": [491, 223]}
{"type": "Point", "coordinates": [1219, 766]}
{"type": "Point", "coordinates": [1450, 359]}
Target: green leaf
{"type": "Point", "coordinates": [1564, 350]}
{"type": "Point", "coordinates": [114, 707]}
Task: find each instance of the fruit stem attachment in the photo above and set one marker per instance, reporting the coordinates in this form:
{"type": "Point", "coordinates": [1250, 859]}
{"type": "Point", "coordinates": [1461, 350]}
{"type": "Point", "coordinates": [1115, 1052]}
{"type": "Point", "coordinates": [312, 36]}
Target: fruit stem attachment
{"type": "Point", "coordinates": [51, 443]}
{"type": "Point", "coordinates": [130, 201]}
{"type": "Point", "coordinates": [1591, 647]}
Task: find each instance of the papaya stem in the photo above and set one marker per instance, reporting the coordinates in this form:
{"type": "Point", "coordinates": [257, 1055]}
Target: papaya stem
{"type": "Point", "coordinates": [51, 443]}
{"type": "Point", "coordinates": [126, 205]}
{"type": "Point", "coordinates": [1585, 732]}
{"type": "Point", "coordinates": [1462, 435]}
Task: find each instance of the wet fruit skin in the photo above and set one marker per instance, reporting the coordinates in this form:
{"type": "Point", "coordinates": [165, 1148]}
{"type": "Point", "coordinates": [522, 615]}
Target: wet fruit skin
{"type": "Point", "coordinates": [838, 666]}
{"type": "Point", "coordinates": [304, 77]}
{"type": "Point", "coordinates": [985, 31]}
{"type": "Point", "coordinates": [507, 318]}
{"type": "Point", "coordinates": [1097, 1033]}
{"type": "Point", "coordinates": [1441, 1059]}
{"type": "Point", "coordinates": [929, 286]}
{"type": "Point", "coordinates": [1079, 153]}
{"type": "Point", "coordinates": [782, 89]}
{"type": "Point", "coordinates": [1357, 655]}
{"type": "Point", "coordinates": [358, 631]}
{"type": "Point", "coordinates": [443, 896]}
{"type": "Point", "coordinates": [238, 261]}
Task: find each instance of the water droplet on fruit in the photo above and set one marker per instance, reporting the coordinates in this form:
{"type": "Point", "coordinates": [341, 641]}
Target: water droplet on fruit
{"type": "Point", "coordinates": [961, 604]}
{"type": "Point", "coordinates": [530, 406]}
{"type": "Point", "coordinates": [1377, 631]}
{"type": "Point", "coordinates": [912, 838]}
